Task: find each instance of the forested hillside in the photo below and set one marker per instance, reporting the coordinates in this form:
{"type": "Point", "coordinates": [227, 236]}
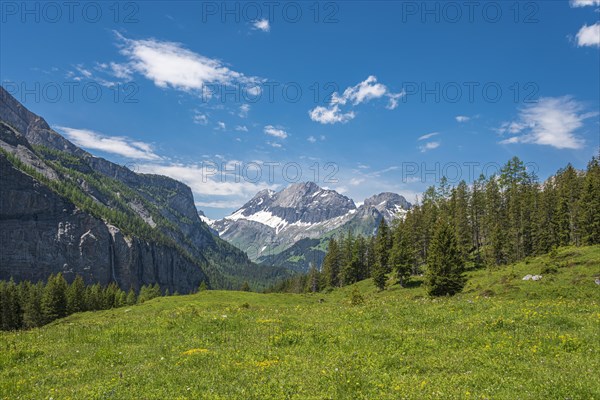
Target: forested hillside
{"type": "Point", "coordinates": [495, 221]}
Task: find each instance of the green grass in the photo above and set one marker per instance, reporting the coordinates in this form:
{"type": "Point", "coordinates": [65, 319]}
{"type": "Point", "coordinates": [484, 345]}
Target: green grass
{"type": "Point", "coordinates": [503, 338]}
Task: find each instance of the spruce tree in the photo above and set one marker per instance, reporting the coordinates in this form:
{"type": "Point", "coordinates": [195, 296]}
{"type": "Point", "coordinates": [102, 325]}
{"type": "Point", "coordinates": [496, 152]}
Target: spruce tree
{"type": "Point", "coordinates": [445, 268]}
{"type": "Point", "coordinates": [76, 296]}
{"type": "Point", "coordinates": [54, 299]}
{"type": "Point", "coordinates": [331, 264]}
{"type": "Point", "coordinates": [402, 257]}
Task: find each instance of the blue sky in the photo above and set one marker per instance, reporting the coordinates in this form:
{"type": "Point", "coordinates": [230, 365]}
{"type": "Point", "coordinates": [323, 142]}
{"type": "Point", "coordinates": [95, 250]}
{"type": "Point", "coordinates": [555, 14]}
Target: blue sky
{"type": "Point", "coordinates": [362, 97]}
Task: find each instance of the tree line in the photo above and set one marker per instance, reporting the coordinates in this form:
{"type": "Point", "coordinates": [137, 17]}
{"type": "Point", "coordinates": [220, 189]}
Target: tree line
{"type": "Point", "coordinates": [496, 220]}
{"type": "Point", "coordinates": [27, 305]}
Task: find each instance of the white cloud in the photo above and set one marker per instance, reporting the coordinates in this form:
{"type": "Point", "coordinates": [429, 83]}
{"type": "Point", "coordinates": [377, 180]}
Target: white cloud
{"type": "Point", "coordinates": [330, 115]}
{"type": "Point", "coordinates": [429, 146]}
{"type": "Point", "coordinates": [363, 92]}
{"type": "Point", "coordinates": [312, 139]}
{"type": "Point", "coordinates": [263, 25]}
{"type": "Point", "coordinates": [244, 110]}
{"type": "Point", "coordinates": [589, 35]}
{"type": "Point", "coordinates": [584, 3]}
{"type": "Point", "coordinates": [275, 132]}
{"type": "Point", "coordinates": [205, 181]}
{"type": "Point", "coordinates": [169, 64]}
{"type": "Point", "coordinates": [552, 121]}
{"type": "Point", "coordinates": [241, 128]}
{"type": "Point", "coordinates": [200, 118]}
{"type": "Point", "coordinates": [356, 181]}
{"type": "Point", "coordinates": [119, 145]}
{"type": "Point", "coordinates": [462, 118]}
{"type": "Point", "coordinates": [274, 144]}
{"type": "Point", "coordinates": [429, 135]}
{"type": "Point", "coordinates": [221, 126]}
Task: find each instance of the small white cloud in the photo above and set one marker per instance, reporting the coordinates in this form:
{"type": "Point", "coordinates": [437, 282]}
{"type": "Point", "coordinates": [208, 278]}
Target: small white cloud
{"type": "Point", "coordinates": [200, 119]}
{"type": "Point", "coordinates": [429, 135]}
{"type": "Point", "coordinates": [552, 121]}
{"type": "Point", "coordinates": [322, 137]}
{"type": "Point", "coordinates": [363, 92]}
{"type": "Point", "coordinates": [244, 110]}
{"type": "Point", "coordinates": [274, 144]}
{"type": "Point", "coordinates": [589, 35]}
{"type": "Point", "coordinates": [429, 146]}
{"type": "Point", "coordinates": [262, 25]}
{"type": "Point", "coordinates": [584, 3]}
{"type": "Point", "coordinates": [275, 132]}
{"type": "Point", "coordinates": [462, 118]}
{"type": "Point", "coordinates": [356, 181]}
{"type": "Point", "coordinates": [119, 145]}
{"type": "Point", "coordinates": [241, 128]}
{"type": "Point", "coordinates": [330, 115]}
{"type": "Point", "coordinates": [312, 139]}
{"type": "Point", "coordinates": [221, 126]}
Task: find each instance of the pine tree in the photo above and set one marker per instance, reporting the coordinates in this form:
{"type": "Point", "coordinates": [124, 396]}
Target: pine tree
{"type": "Point", "coordinates": [76, 296]}
{"type": "Point", "coordinates": [589, 204]}
{"type": "Point", "coordinates": [331, 264]}
{"type": "Point", "coordinates": [382, 246]}
{"type": "Point", "coordinates": [54, 299]}
{"type": "Point", "coordinates": [445, 268]}
{"type": "Point", "coordinates": [131, 297]}
{"type": "Point", "coordinates": [313, 281]}
{"type": "Point", "coordinates": [402, 257]}
{"type": "Point", "coordinates": [460, 219]}
{"type": "Point", "coordinates": [245, 287]}
{"type": "Point", "coordinates": [32, 306]}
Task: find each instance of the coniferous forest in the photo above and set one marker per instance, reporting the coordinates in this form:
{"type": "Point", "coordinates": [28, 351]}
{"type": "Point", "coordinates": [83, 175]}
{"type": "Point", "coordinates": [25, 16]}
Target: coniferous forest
{"type": "Point", "coordinates": [494, 221]}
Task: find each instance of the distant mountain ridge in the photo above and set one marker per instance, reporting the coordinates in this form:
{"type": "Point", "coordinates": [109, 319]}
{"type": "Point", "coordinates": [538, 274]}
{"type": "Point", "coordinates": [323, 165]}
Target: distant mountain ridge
{"type": "Point", "coordinates": [64, 210]}
{"type": "Point", "coordinates": [274, 227]}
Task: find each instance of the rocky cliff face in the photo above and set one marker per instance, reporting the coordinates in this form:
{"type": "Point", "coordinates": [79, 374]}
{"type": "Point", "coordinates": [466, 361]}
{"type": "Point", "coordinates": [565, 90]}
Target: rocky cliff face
{"type": "Point", "coordinates": [64, 210]}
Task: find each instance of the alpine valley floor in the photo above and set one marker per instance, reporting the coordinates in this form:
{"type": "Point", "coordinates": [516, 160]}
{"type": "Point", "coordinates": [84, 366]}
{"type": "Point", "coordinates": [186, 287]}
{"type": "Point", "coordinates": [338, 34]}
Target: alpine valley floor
{"type": "Point", "coordinates": [502, 338]}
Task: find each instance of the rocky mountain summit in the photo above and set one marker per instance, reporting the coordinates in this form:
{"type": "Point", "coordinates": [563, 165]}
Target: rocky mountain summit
{"type": "Point", "coordinates": [272, 223]}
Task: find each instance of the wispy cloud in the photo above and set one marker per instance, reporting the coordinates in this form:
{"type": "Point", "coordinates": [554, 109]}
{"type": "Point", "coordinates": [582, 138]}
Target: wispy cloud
{"type": "Point", "coordinates": [553, 121]}
{"type": "Point", "coordinates": [462, 118]}
{"type": "Point", "coordinates": [170, 64]}
{"type": "Point", "coordinates": [363, 92]}
{"type": "Point", "coordinates": [241, 128]}
{"type": "Point", "coordinates": [262, 25]}
{"type": "Point", "coordinates": [244, 110]}
{"type": "Point", "coordinates": [200, 118]}
{"type": "Point", "coordinates": [584, 3]}
{"type": "Point", "coordinates": [427, 136]}
{"type": "Point", "coordinates": [312, 139]}
{"type": "Point", "coordinates": [275, 132]}
{"type": "Point", "coordinates": [429, 146]}
{"type": "Point", "coordinates": [120, 145]}
{"type": "Point", "coordinates": [589, 36]}
{"type": "Point", "coordinates": [221, 126]}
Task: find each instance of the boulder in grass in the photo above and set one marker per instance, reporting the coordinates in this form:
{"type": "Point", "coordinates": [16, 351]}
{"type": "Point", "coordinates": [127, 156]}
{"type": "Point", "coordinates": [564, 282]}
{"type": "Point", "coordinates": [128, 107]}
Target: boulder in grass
{"type": "Point", "coordinates": [536, 277]}
{"type": "Point", "coordinates": [527, 277]}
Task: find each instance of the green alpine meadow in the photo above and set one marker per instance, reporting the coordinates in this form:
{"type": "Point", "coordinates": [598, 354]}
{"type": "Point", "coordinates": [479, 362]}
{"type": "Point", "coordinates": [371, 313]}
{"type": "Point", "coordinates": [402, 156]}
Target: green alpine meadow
{"type": "Point", "coordinates": [501, 338]}
{"type": "Point", "coordinates": [300, 200]}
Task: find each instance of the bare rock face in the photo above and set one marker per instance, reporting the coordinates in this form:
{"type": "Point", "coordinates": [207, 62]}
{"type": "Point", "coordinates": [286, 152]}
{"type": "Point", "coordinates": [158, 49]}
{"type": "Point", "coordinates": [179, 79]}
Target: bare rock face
{"type": "Point", "coordinates": [41, 234]}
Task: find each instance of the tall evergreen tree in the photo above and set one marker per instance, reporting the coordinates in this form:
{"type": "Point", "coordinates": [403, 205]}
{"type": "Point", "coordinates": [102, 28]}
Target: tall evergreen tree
{"type": "Point", "coordinates": [445, 268]}
{"type": "Point", "coordinates": [402, 256]}
{"type": "Point", "coordinates": [76, 296]}
{"type": "Point", "coordinates": [54, 299]}
{"type": "Point", "coordinates": [331, 264]}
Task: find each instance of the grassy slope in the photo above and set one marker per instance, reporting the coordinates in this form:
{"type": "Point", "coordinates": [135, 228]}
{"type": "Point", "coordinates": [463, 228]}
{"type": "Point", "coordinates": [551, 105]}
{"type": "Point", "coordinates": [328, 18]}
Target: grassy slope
{"type": "Point", "coordinates": [528, 340]}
